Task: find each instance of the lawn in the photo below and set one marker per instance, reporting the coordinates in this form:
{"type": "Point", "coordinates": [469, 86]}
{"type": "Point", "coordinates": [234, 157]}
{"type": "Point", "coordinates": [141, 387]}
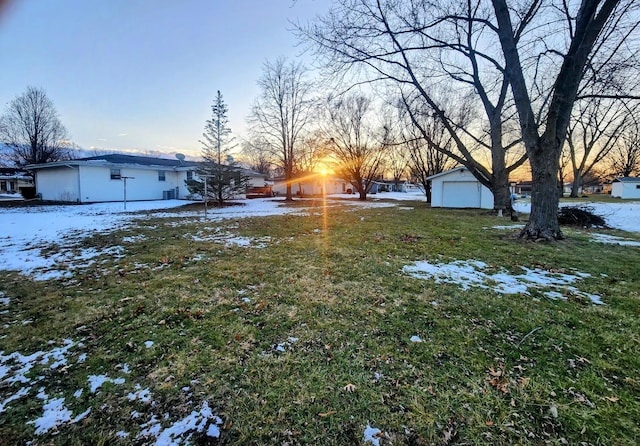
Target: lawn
{"type": "Point", "coordinates": [335, 324]}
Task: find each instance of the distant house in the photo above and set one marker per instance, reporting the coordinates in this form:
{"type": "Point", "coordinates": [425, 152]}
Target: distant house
{"type": "Point", "coordinates": [13, 181]}
{"type": "Point", "coordinates": [458, 188]}
{"type": "Point", "coordinates": [310, 184]}
{"type": "Point", "coordinates": [523, 188]}
{"type": "Point", "coordinates": [626, 187]}
{"type": "Point", "coordinates": [102, 178]}
{"type": "Point", "coordinates": [393, 186]}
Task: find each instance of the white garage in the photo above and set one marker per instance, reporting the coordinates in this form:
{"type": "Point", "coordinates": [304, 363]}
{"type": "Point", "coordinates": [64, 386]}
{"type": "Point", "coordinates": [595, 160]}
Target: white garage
{"type": "Point", "coordinates": [458, 188]}
{"type": "Point", "coordinates": [626, 187]}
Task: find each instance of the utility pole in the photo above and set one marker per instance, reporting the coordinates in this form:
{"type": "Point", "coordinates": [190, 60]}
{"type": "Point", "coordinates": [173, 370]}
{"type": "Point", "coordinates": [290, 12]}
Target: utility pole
{"type": "Point", "coordinates": [124, 179]}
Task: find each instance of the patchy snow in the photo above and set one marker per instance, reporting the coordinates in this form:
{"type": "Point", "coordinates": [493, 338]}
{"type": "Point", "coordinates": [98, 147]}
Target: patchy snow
{"type": "Point", "coordinates": [471, 273]}
{"type": "Point", "coordinates": [282, 346]}
{"type": "Point", "coordinates": [15, 366]}
{"type": "Point", "coordinates": [415, 339]}
{"type": "Point", "coordinates": [148, 344]}
{"type": "Point", "coordinates": [141, 394]}
{"type": "Point", "coordinates": [54, 414]}
{"type": "Point", "coordinates": [623, 215]}
{"type": "Point", "coordinates": [372, 435]}
{"type": "Point", "coordinates": [4, 300]}
{"type": "Point", "coordinates": [181, 431]}
{"type": "Point", "coordinates": [613, 240]}
{"type": "Point", "coordinates": [96, 381]}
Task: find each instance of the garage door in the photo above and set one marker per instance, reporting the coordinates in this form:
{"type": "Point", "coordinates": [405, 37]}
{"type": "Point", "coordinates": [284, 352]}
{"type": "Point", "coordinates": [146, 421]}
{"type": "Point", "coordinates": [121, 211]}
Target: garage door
{"type": "Point", "coordinates": [461, 194]}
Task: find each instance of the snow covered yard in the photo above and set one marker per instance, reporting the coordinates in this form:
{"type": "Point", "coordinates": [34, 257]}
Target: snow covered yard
{"type": "Point", "coordinates": [28, 232]}
{"type": "Point", "coordinates": [178, 349]}
{"type": "Point", "coordinates": [623, 215]}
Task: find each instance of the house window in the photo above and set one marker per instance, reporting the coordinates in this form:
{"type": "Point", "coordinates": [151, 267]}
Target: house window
{"type": "Point", "coordinates": [115, 174]}
{"type": "Point", "coordinates": [189, 174]}
{"type": "Point", "coordinates": [161, 175]}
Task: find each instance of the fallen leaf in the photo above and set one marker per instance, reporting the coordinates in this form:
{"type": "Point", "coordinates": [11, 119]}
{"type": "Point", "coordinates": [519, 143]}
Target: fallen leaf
{"type": "Point", "coordinates": [524, 381]}
{"type": "Point", "coordinates": [613, 399]}
{"type": "Point", "coordinates": [326, 414]}
{"type": "Point", "coordinates": [350, 388]}
{"type": "Point", "coordinates": [489, 423]}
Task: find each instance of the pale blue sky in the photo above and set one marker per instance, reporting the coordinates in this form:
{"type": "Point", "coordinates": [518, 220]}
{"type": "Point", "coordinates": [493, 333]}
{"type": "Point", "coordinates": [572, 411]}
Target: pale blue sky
{"type": "Point", "coordinates": [127, 74]}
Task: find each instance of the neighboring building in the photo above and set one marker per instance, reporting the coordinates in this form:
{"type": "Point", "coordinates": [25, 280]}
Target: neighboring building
{"type": "Point", "coordinates": [392, 186]}
{"type": "Point", "coordinates": [626, 187]}
{"type": "Point", "coordinates": [310, 184]}
{"type": "Point", "coordinates": [12, 180]}
{"type": "Point", "coordinates": [102, 178]}
{"type": "Point", "coordinates": [458, 188]}
{"type": "Point", "coordinates": [523, 188]}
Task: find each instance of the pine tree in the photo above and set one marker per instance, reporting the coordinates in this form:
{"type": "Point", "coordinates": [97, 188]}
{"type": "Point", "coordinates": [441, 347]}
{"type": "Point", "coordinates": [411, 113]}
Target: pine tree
{"type": "Point", "coordinates": [218, 178]}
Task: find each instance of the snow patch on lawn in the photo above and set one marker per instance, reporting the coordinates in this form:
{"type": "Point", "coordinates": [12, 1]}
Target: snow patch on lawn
{"type": "Point", "coordinates": [54, 414]}
{"type": "Point", "coordinates": [141, 394]}
{"type": "Point", "coordinates": [15, 366]}
{"type": "Point", "coordinates": [200, 421]}
{"type": "Point", "coordinates": [613, 240]}
{"type": "Point", "coordinates": [372, 435]}
{"type": "Point", "coordinates": [624, 216]}
{"type": "Point", "coordinates": [229, 239]}
{"type": "Point", "coordinates": [96, 381]}
{"type": "Point", "coordinates": [472, 273]}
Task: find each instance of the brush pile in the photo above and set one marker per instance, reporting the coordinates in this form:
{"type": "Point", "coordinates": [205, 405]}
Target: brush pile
{"type": "Point", "coordinates": [580, 216]}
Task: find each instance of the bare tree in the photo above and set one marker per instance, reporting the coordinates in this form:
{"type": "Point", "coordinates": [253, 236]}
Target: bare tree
{"type": "Point", "coordinates": [563, 42]}
{"type": "Point", "coordinates": [533, 54]}
{"type": "Point", "coordinates": [355, 143]}
{"type": "Point", "coordinates": [396, 163]}
{"type": "Point", "coordinates": [256, 154]}
{"type": "Point", "coordinates": [282, 112]}
{"type": "Point", "coordinates": [438, 56]}
{"type": "Point", "coordinates": [624, 159]}
{"type": "Point", "coordinates": [596, 125]}
{"type": "Point", "coordinates": [428, 156]}
{"type": "Point", "coordinates": [32, 129]}
{"type": "Point", "coordinates": [312, 150]}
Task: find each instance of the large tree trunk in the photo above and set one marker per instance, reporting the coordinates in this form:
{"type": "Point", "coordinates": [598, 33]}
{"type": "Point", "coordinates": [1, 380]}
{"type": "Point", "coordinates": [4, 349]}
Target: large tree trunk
{"type": "Point", "coordinates": [575, 186]}
{"type": "Point", "coordinates": [500, 187]}
{"type": "Point", "coordinates": [543, 221]}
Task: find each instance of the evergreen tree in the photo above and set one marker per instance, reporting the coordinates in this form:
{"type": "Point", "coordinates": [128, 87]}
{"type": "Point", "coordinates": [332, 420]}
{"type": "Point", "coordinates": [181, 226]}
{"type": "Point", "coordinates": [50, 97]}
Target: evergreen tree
{"type": "Point", "coordinates": [218, 178]}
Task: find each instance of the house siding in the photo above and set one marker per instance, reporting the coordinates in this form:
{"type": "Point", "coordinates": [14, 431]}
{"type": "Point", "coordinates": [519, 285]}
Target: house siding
{"type": "Point", "coordinates": [625, 189]}
{"type": "Point", "coordinates": [142, 184]}
{"type": "Point", "coordinates": [59, 184]}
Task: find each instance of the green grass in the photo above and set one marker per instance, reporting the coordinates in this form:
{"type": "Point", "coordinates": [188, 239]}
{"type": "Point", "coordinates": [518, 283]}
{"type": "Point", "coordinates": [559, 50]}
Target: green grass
{"type": "Point", "coordinates": [492, 368]}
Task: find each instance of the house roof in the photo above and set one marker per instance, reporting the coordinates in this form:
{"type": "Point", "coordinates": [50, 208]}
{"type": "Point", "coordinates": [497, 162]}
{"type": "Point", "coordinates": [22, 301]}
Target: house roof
{"type": "Point", "coordinates": [627, 180]}
{"type": "Point", "coordinates": [118, 160]}
{"type": "Point", "coordinates": [140, 160]}
{"type": "Point", "coordinates": [446, 172]}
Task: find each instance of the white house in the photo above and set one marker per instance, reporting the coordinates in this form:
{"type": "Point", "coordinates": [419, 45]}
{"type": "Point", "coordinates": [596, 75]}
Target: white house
{"type": "Point", "coordinates": [458, 188]}
{"type": "Point", "coordinates": [103, 178]}
{"type": "Point", "coordinates": [13, 180]}
{"type": "Point", "coordinates": [626, 187]}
